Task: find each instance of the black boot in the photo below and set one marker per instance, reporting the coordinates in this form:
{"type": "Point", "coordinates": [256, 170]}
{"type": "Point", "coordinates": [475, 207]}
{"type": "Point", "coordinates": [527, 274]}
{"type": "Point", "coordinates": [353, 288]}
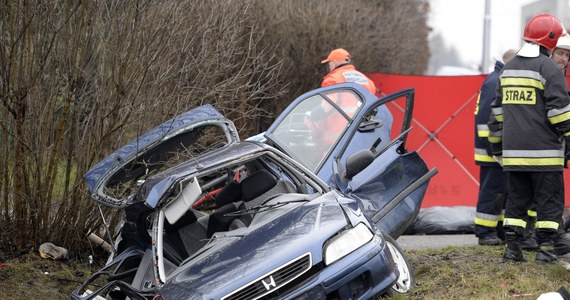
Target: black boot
{"type": "Point", "coordinates": [514, 250]}
{"type": "Point", "coordinates": [529, 242]}
{"type": "Point", "coordinates": [544, 256]}
{"type": "Point", "coordinates": [561, 243]}
{"type": "Point", "coordinates": [529, 237]}
{"type": "Point", "coordinates": [545, 238]}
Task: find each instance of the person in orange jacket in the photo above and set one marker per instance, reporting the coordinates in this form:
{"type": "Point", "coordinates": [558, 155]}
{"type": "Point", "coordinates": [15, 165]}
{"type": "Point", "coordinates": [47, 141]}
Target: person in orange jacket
{"type": "Point", "coordinates": [341, 70]}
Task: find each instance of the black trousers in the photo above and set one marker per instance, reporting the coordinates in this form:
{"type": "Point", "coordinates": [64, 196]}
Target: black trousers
{"type": "Point", "coordinates": [546, 189]}
{"type": "Point", "coordinates": [491, 200]}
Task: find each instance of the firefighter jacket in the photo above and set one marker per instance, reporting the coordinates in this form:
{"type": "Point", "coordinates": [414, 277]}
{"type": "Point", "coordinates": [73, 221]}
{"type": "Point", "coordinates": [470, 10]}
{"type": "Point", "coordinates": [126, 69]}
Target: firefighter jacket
{"type": "Point", "coordinates": [347, 73]}
{"type": "Point", "coordinates": [530, 115]}
{"type": "Point", "coordinates": [483, 154]}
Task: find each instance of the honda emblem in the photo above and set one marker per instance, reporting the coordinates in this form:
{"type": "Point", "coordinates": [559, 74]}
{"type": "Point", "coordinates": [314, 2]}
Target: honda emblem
{"type": "Point", "coordinates": [269, 283]}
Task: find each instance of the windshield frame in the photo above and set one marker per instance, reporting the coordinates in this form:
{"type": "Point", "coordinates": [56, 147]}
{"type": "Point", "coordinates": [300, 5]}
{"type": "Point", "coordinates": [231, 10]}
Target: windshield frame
{"type": "Point", "coordinates": [337, 107]}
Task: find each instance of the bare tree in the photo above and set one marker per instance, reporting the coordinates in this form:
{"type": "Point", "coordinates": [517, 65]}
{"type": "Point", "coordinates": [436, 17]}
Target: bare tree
{"type": "Point", "coordinates": [382, 36]}
{"type": "Point", "coordinates": [80, 78]}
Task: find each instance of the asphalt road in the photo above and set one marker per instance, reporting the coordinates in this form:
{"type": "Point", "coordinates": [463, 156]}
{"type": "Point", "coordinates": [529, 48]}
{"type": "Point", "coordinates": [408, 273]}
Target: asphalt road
{"type": "Point", "coordinates": [421, 242]}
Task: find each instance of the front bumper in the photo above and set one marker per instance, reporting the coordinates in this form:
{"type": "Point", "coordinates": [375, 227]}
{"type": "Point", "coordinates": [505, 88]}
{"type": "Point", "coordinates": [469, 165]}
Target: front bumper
{"type": "Point", "coordinates": [366, 272]}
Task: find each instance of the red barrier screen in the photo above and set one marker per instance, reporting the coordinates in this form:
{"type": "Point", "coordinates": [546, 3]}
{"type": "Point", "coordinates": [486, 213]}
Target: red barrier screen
{"type": "Point", "coordinates": [443, 133]}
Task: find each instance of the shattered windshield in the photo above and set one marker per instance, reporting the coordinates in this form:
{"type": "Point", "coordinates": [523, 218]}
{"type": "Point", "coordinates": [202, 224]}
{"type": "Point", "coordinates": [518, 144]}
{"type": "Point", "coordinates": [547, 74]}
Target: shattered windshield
{"type": "Point", "coordinates": [314, 126]}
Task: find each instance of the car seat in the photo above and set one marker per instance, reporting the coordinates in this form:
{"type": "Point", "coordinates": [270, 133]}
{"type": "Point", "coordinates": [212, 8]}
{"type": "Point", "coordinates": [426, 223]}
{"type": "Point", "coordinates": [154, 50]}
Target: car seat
{"type": "Point", "coordinates": [174, 246]}
{"type": "Point", "coordinates": [229, 194]}
{"type": "Point", "coordinates": [227, 201]}
{"type": "Point", "coordinates": [257, 189]}
{"type": "Point", "coordinates": [232, 197]}
{"type": "Point", "coordinates": [256, 185]}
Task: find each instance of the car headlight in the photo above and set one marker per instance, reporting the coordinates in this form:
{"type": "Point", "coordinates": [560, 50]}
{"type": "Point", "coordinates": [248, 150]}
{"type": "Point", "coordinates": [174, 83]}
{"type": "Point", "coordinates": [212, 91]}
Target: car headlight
{"type": "Point", "coordinates": [346, 242]}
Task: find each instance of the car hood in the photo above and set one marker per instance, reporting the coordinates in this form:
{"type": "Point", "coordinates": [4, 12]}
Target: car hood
{"type": "Point", "coordinates": [235, 261]}
{"type": "Point", "coordinates": [148, 150]}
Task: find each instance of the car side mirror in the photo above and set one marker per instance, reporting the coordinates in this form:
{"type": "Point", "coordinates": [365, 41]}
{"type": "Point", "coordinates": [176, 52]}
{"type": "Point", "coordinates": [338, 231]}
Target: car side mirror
{"type": "Point", "coordinates": [357, 162]}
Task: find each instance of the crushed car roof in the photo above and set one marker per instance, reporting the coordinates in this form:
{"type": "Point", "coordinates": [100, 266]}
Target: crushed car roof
{"type": "Point", "coordinates": [170, 128]}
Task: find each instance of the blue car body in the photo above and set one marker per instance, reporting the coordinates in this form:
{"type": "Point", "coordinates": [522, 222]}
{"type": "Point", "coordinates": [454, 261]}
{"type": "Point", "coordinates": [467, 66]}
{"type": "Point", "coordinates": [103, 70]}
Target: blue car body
{"type": "Point", "coordinates": [382, 187]}
{"type": "Point", "coordinates": [295, 217]}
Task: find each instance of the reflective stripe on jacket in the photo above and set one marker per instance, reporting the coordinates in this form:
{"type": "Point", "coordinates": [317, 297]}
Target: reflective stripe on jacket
{"type": "Point", "coordinates": [530, 115]}
{"type": "Point", "coordinates": [347, 73]}
{"type": "Point", "coordinates": [483, 154]}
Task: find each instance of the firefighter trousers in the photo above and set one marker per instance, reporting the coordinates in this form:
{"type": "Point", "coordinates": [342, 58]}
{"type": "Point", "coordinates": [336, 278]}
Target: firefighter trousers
{"type": "Point", "coordinates": [546, 189]}
{"type": "Point", "coordinates": [490, 201]}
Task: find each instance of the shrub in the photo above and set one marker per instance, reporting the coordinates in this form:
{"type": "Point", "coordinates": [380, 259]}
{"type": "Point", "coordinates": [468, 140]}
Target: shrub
{"type": "Point", "coordinates": [79, 79]}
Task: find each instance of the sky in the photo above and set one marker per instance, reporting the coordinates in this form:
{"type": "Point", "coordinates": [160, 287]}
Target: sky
{"type": "Point", "coordinates": [461, 25]}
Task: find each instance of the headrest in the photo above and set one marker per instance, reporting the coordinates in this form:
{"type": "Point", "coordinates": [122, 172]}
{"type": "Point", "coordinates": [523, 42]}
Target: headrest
{"type": "Point", "coordinates": [256, 184]}
{"type": "Point", "coordinates": [230, 193]}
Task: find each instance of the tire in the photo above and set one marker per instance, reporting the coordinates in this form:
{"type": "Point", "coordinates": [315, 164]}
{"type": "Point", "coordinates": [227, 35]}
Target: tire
{"type": "Point", "coordinates": [406, 280]}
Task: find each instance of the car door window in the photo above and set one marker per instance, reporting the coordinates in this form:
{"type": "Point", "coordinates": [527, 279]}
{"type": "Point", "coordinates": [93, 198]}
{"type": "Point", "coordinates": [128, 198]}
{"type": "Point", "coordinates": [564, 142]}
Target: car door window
{"type": "Point", "coordinates": [347, 101]}
{"type": "Point", "coordinates": [314, 126]}
{"type": "Point", "coordinates": [388, 126]}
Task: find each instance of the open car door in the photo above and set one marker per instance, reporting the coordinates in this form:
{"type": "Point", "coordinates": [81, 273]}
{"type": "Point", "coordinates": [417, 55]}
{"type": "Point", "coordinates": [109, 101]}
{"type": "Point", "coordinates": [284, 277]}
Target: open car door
{"type": "Point", "coordinates": [323, 128]}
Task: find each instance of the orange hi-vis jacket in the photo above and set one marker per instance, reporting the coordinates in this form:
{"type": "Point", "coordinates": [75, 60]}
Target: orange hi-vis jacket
{"type": "Point", "coordinates": [347, 73]}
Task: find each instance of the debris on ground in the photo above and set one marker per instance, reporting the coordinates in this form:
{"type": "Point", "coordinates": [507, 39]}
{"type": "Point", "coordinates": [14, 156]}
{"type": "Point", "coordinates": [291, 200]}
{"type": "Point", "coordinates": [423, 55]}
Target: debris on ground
{"type": "Point", "coordinates": [49, 250]}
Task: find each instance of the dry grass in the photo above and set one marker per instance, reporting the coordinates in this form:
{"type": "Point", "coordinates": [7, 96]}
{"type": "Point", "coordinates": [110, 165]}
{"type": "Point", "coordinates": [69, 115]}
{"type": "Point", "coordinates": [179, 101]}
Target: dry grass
{"type": "Point", "coordinates": [478, 273]}
{"type": "Point", "coordinates": [31, 277]}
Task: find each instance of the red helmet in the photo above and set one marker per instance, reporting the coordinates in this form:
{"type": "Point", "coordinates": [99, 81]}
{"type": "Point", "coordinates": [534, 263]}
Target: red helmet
{"type": "Point", "coordinates": [544, 29]}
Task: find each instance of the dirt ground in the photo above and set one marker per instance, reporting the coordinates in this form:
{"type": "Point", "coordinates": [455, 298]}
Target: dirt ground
{"type": "Point", "coordinates": [29, 276]}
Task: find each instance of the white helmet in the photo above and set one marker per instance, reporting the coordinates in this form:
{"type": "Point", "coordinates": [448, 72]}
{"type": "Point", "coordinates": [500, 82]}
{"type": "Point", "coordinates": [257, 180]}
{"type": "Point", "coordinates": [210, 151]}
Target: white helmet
{"type": "Point", "coordinates": [563, 42]}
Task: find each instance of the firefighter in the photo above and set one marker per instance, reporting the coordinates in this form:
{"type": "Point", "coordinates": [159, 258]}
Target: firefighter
{"type": "Point", "coordinates": [492, 179]}
{"type": "Point", "coordinates": [560, 56]}
{"type": "Point", "coordinates": [530, 120]}
{"type": "Point", "coordinates": [561, 53]}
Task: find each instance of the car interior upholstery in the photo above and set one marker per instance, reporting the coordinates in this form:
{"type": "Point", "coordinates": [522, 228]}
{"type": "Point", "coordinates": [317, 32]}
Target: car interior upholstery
{"type": "Point", "coordinates": [189, 234]}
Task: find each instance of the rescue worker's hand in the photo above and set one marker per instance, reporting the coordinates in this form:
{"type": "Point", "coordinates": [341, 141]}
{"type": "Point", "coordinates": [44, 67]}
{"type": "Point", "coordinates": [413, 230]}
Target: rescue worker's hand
{"type": "Point", "coordinates": [498, 159]}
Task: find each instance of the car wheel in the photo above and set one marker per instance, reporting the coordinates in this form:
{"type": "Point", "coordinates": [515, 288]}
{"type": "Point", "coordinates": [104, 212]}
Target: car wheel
{"type": "Point", "coordinates": [406, 280]}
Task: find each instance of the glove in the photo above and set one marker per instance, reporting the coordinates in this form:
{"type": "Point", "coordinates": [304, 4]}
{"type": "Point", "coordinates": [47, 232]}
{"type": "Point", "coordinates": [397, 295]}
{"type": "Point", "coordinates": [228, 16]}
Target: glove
{"type": "Point", "coordinates": [498, 159]}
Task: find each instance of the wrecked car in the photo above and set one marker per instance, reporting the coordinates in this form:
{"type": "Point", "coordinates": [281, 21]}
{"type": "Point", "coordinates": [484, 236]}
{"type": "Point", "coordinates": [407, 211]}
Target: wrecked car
{"type": "Point", "coordinates": [309, 210]}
